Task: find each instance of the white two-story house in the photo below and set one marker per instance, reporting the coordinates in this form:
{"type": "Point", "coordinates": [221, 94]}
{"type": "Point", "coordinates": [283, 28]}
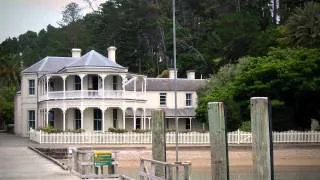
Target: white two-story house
{"type": "Point", "coordinates": [94, 93]}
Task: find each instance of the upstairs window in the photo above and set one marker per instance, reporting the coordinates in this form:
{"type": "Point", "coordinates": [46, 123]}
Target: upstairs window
{"type": "Point", "coordinates": [31, 87]}
{"type": "Point", "coordinates": [32, 119]}
{"type": "Point", "coordinates": [188, 99]}
{"type": "Point", "coordinates": [77, 83]}
{"type": "Point", "coordinates": [163, 99]}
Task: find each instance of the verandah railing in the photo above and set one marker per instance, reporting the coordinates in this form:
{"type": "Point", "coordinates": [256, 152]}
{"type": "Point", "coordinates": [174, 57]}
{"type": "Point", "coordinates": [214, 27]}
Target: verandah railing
{"type": "Point", "coordinates": [236, 137]}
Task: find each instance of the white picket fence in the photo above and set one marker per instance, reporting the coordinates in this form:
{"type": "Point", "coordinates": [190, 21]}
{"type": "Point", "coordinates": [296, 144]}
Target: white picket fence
{"type": "Point", "coordinates": [236, 137]}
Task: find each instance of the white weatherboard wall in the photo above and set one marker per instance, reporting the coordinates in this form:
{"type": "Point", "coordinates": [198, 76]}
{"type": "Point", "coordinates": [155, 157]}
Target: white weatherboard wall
{"type": "Point", "coordinates": [28, 102]}
{"type": "Point", "coordinates": [153, 99]}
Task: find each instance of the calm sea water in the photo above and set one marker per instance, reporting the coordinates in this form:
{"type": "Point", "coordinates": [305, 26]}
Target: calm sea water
{"type": "Point", "coordinates": [245, 173]}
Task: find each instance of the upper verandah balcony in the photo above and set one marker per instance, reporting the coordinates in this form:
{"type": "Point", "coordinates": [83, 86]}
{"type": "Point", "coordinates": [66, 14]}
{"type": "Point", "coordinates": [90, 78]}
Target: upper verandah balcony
{"type": "Point", "coordinates": [91, 86]}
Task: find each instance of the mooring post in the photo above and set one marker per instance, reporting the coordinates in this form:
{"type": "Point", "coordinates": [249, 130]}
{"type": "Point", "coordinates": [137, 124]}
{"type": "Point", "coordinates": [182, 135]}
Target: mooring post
{"type": "Point", "coordinates": [262, 147]}
{"type": "Point", "coordinates": [158, 140]}
{"type": "Point", "coordinates": [218, 141]}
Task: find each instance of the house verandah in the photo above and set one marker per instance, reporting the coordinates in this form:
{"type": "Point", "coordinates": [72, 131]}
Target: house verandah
{"type": "Point", "coordinates": [93, 118]}
{"type": "Point", "coordinates": [100, 119]}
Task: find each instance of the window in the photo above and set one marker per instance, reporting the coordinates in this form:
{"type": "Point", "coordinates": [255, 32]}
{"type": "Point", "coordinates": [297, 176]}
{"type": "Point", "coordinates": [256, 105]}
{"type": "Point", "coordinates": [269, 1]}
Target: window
{"type": "Point", "coordinates": [188, 124]}
{"type": "Point", "coordinates": [77, 83]}
{"type": "Point", "coordinates": [115, 117]}
{"type": "Point", "coordinates": [114, 82]}
{"type": "Point", "coordinates": [188, 99]}
{"type": "Point", "coordinates": [32, 119]}
{"type": "Point", "coordinates": [138, 123]}
{"type": "Point", "coordinates": [97, 120]}
{"type": "Point", "coordinates": [167, 123]}
{"type": "Point", "coordinates": [31, 87]}
{"type": "Point", "coordinates": [163, 99]}
{"type": "Point", "coordinates": [77, 119]}
{"type": "Point", "coordinates": [51, 118]}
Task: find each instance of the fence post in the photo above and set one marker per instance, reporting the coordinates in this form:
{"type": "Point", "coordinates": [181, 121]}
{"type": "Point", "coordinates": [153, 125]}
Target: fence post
{"type": "Point", "coordinates": [262, 148]}
{"type": "Point", "coordinates": [239, 136]}
{"type": "Point", "coordinates": [218, 141]}
{"type": "Point", "coordinates": [40, 136]}
{"type": "Point", "coordinates": [158, 140]}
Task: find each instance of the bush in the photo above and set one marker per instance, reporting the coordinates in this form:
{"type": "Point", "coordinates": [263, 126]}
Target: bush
{"type": "Point", "coordinates": [50, 129]}
{"type": "Point", "coordinates": [116, 130]}
{"type": "Point", "coordinates": [75, 130]}
{"type": "Point", "coordinates": [246, 126]}
{"type": "Point", "coordinates": [140, 131]}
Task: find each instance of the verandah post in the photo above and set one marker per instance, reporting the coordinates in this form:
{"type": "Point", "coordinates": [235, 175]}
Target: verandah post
{"type": "Point", "coordinates": [218, 141]}
{"type": "Point", "coordinates": [262, 147]}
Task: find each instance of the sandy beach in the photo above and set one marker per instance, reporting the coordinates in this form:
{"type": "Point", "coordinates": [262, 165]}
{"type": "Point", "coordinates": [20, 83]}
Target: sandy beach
{"type": "Point", "coordinates": [201, 158]}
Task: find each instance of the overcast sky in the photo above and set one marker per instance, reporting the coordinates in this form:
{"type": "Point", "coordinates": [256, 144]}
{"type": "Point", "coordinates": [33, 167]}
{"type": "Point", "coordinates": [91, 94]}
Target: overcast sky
{"type": "Point", "coordinates": [19, 16]}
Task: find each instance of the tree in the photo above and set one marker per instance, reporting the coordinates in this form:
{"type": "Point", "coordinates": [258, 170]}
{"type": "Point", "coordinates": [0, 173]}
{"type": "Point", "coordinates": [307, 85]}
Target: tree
{"type": "Point", "coordinates": [303, 26]}
{"type": "Point", "coordinates": [289, 77]}
{"type": "Point", "coordinates": [71, 14]}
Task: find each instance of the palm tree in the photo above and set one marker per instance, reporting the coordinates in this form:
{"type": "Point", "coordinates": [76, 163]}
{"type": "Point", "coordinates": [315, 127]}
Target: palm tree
{"type": "Point", "coordinates": [303, 26]}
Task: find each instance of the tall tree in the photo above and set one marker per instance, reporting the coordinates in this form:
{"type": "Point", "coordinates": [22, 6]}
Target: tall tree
{"type": "Point", "coordinates": [71, 14]}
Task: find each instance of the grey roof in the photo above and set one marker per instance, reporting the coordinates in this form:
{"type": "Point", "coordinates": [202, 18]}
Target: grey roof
{"type": "Point", "coordinates": [185, 112]}
{"type": "Point", "coordinates": [166, 84]}
{"type": "Point", "coordinates": [55, 64]}
{"type": "Point", "coordinates": [94, 59]}
{"type": "Point", "coordinates": [50, 64]}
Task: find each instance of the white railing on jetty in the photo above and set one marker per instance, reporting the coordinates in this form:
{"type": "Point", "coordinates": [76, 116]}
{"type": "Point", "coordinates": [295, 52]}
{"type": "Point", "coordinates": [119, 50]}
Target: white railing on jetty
{"type": "Point", "coordinates": [236, 137]}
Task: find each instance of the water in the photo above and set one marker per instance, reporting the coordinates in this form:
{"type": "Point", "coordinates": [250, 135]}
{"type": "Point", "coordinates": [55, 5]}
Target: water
{"type": "Point", "coordinates": [245, 173]}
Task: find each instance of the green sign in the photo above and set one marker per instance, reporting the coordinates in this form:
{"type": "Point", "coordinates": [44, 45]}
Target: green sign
{"type": "Point", "coordinates": [102, 158]}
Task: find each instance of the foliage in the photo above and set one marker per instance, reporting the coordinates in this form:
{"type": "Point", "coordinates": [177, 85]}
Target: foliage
{"type": "Point", "coordinates": [6, 106]}
{"type": "Point", "coordinates": [116, 130]}
{"type": "Point", "coordinates": [303, 26]}
{"type": "Point", "coordinates": [289, 77]}
{"type": "Point", "coordinates": [71, 14]}
{"type": "Point", "coordinates": [140, 131]}
{"type": "Point", "coordinates": [75, 130]}
{"type": "Point", "coordinates": [245, 126]}
{"type": "Point", "coordinates": [50, 129]}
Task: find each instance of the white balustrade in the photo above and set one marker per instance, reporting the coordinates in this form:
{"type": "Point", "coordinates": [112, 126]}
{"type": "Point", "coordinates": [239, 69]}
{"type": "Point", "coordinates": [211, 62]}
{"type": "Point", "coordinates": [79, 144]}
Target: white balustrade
{"type": "Point", "coordinates": [236, 137]}
{"type": "Point", "coordinates": [75, 94]}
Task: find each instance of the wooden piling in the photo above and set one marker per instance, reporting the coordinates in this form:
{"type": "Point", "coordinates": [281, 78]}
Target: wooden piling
{"type": "Point", "coordinates": [218, 141]}
{"type": "Point", "coordinates": [158, 140]}
{"type": "Point", "coordinates": [262, 147]}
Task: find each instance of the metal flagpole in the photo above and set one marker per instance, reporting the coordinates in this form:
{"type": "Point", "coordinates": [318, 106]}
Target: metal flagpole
{"type": "Point", "coordinates": [175, 82]}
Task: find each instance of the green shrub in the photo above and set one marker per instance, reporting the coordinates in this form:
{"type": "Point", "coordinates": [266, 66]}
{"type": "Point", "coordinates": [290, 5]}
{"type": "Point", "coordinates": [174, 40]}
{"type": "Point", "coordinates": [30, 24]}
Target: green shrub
{"type": "Point", "coordinates": [75, 130]}
{"type": "Point", "coordinates": [116, 130]}
{"type": "Point", "coordinates": [140, 131]}
{"type": "Point", "coordinates": [50, 129]}
{"type": "Point", "coordinates": [246, 126]}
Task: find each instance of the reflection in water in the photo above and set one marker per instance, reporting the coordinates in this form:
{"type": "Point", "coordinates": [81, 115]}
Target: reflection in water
{"type": "Point", "coordinates": [245, 173]}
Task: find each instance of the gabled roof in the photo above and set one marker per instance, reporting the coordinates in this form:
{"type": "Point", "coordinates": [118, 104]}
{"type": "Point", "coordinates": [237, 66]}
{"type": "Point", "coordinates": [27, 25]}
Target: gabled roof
{"type": "Point", "coordinates": [94, 59]}
{"type": "Point", "coordinates": [49, 64]}
{"type": "Point", "coordinates": [166, 84]}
